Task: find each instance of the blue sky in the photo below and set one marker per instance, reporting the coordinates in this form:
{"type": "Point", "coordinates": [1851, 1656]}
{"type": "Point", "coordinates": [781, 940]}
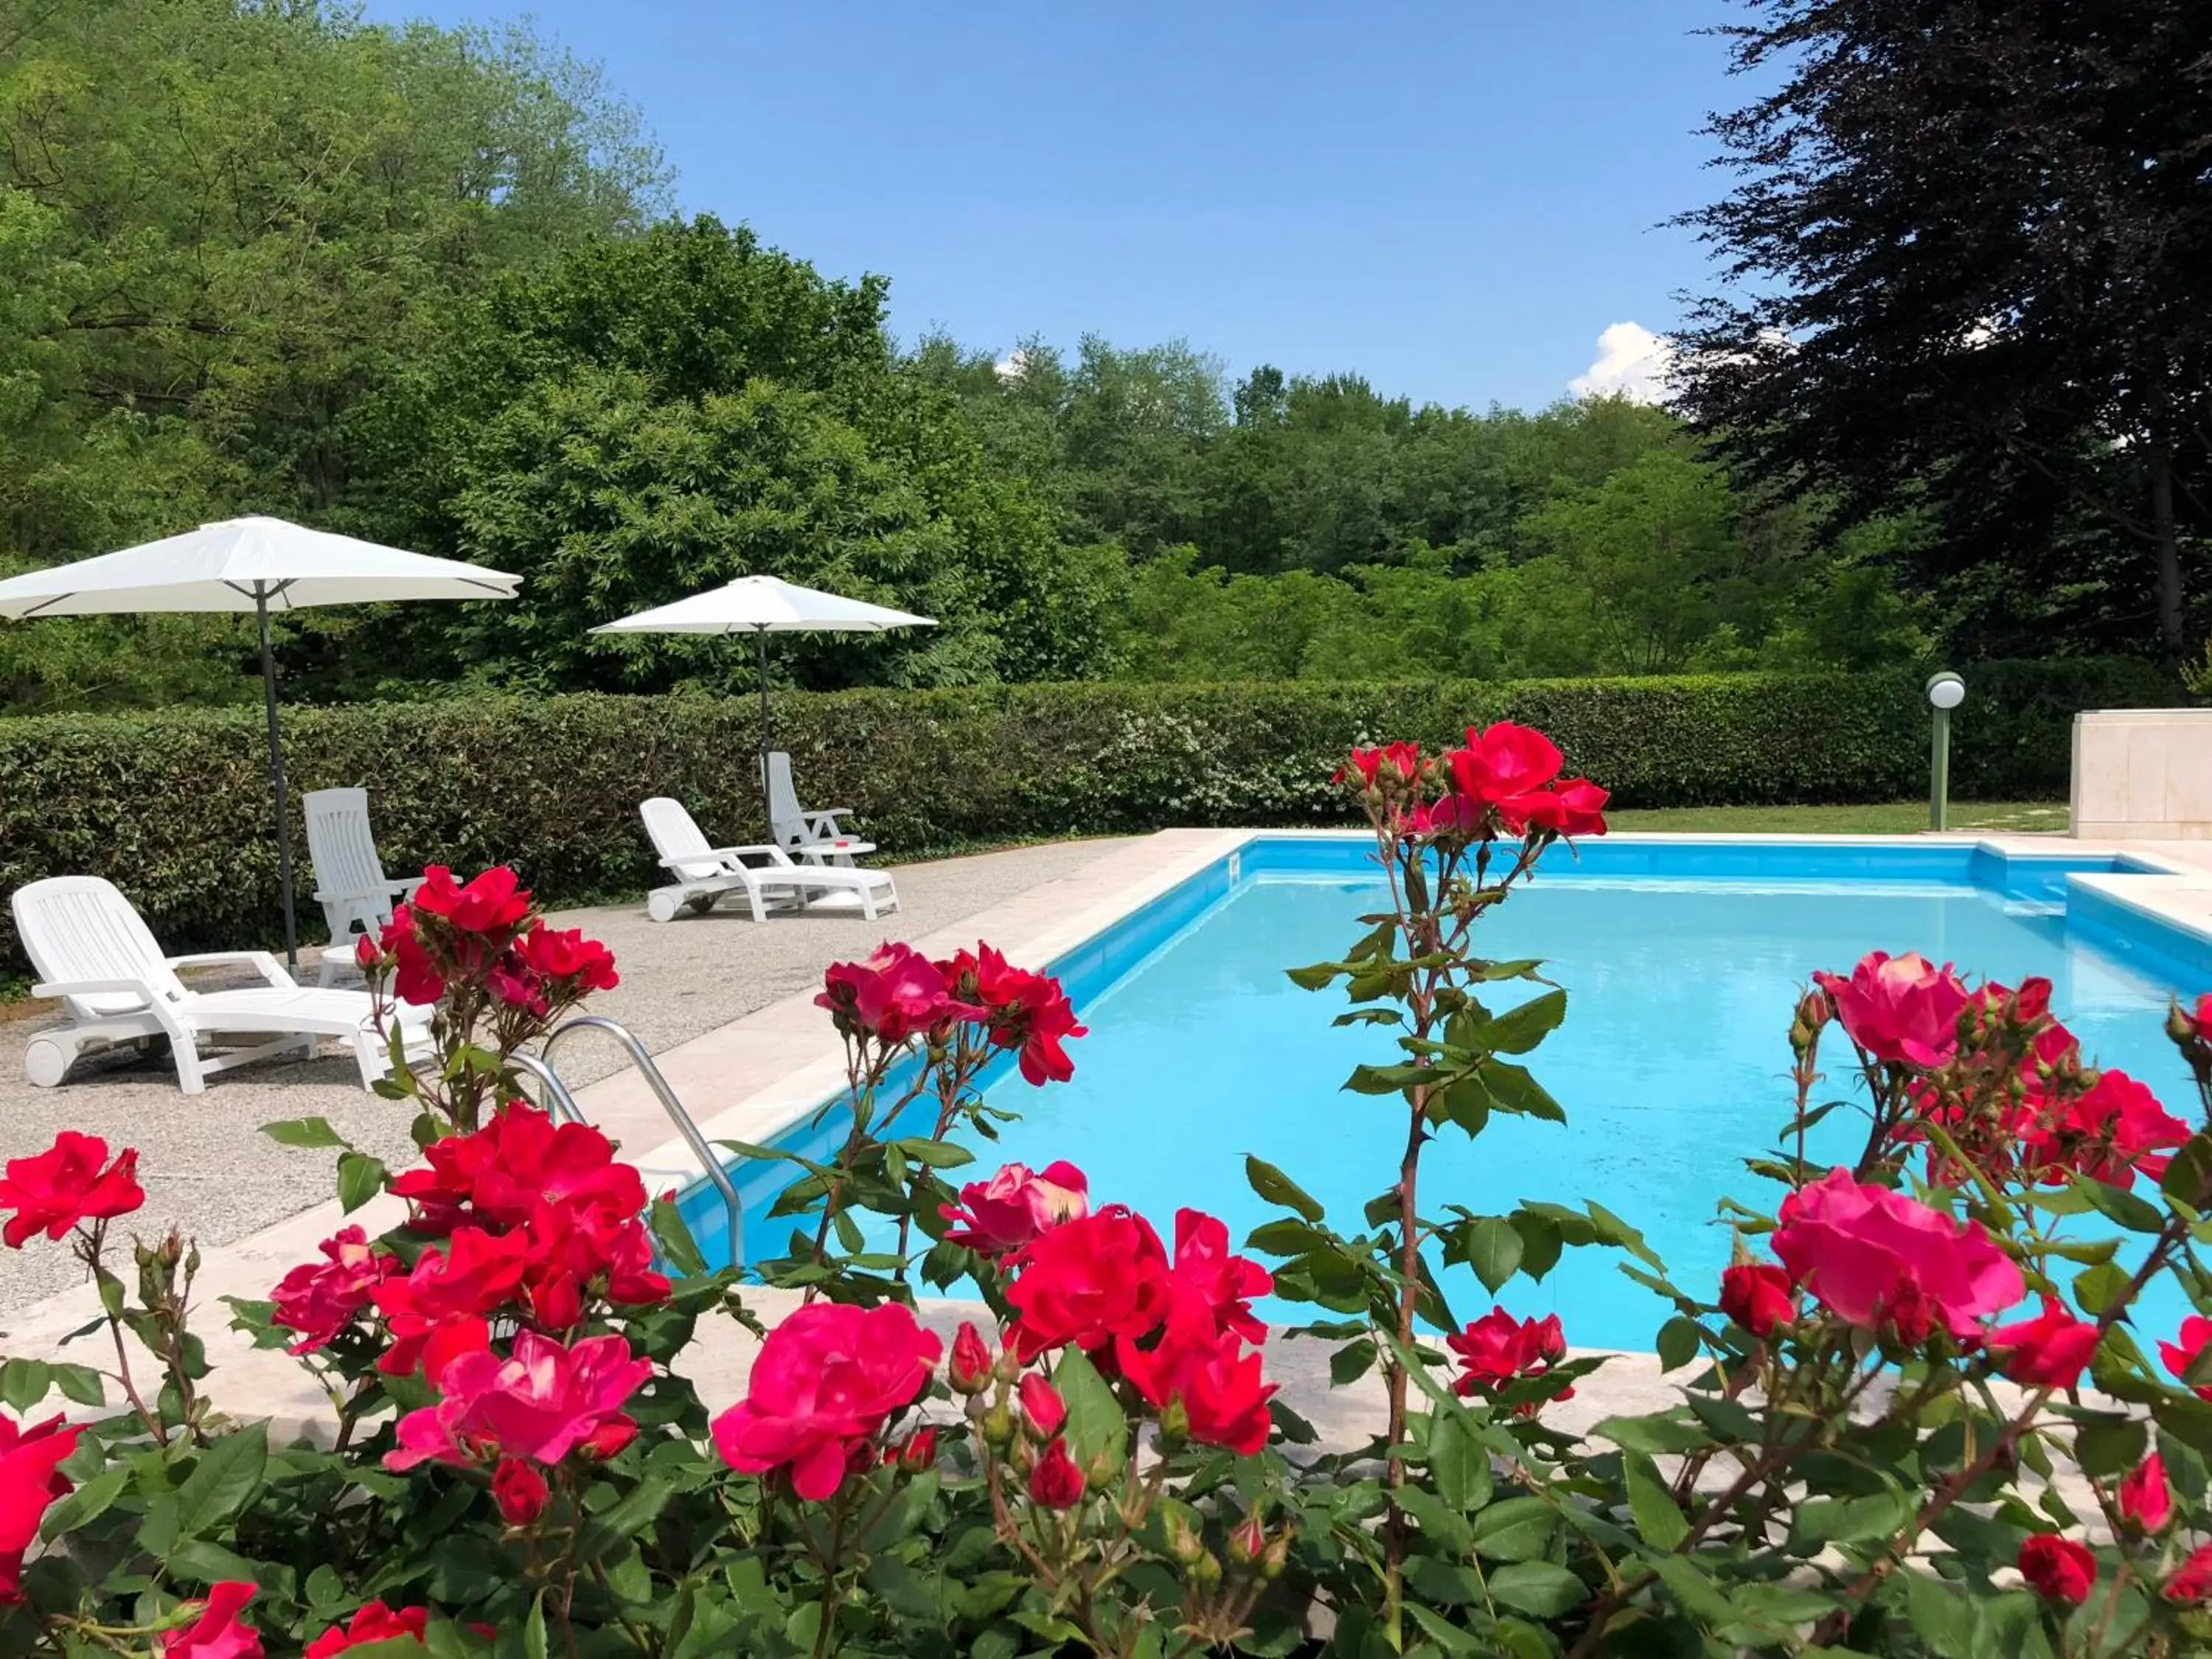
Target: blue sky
{"type": "Point", "coordinates": [1453, 199]}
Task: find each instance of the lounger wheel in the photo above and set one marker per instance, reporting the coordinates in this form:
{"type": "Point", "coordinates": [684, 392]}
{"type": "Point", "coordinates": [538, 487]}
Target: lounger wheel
{"type": "Point", "coordinates": [46, 1061]}
{"type": "Point", "coordinates": [663, 905]}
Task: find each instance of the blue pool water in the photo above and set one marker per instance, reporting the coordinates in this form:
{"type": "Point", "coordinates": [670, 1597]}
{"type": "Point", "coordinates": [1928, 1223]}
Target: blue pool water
{"type": "Point", "coordinates": [1681, 961]}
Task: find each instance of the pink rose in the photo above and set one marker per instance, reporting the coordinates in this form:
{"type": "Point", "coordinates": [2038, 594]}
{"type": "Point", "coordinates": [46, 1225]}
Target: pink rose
{"type": "Point", "coordinates": [1900, 1009]}
{"type": "Point", "coordinates": [319, 1299]}
{"type": "Point", "coordinates": [896, 994]}
{"type": "Point", "coordinates": [1015, 1206]}
{"type": "Point", "coordinates": [826, 1381]}
{"type": "Point", "coordinates": [1879, 1260]}
{"type": "Point", "coordinates": [542, 1402]}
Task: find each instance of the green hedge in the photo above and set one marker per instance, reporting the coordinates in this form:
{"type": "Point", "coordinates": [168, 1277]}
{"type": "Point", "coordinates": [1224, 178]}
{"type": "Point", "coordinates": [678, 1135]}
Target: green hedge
{"type": "Point", "coordinates": [174, 806]}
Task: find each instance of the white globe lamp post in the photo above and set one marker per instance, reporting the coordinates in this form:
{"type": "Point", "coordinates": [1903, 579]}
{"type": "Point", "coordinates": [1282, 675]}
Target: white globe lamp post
{"type": "Point", "coordinates": [1946, 691]}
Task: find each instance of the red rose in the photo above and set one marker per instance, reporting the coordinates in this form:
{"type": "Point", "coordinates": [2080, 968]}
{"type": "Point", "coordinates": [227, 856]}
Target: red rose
{"type": "Point", "coordinates": [1018, 1009]}
{"type": "Point", "coordinates": [1014, 1206]}
{"type": "Point", "coordinates": [1504, 763]}
{"type": "Point", "coordinates": [1758, 1297]}
{"type": "Point", "coordinates": [2058, 1569]}
{"type": "Point", "coordinates": [1881, 1261]}
{"type": "Point", "coordinates": [1042, 1409]}
{"type": "Point", "coordinates": [1087, 1282]}
{"type": "Point", "coordinates": [321, 1299]}
{"type": "Point", "coordinates": [216, 1634]}
{"type": "Point", "coordinates": [576, 1252]}
{"type": "Point", "coordinates": [581, 964]}
{"type": "Point", "coordinates": [66, 1184]}
{"type": "Point", "coordinates": [2115, 1129]}
{"type": "Point", "coordinates": [1900, 1009]}
{"type": "Point", "coordinates": [374, 1623]}
{"type": "Point", "coordinates": [30, 1480]}
{"type": "Point", "coordinates": [1056, 1483]}
{"type": "Point", "coordinates": [1447, 815]}
{"type": "Point", "coordinates": [416, 978]}
{"type": "Point", "coordinates": [919, 1450]}
{"type": "Point", "coordinates": [473, 1276]}
{"type": "Point", "coordinates": [1582, 807]}
{"type": "Point", "coordinates": [494, 902]}
{"type": "Point", "coordinates": [896, 994]}
{"type": "Point", "coordinates": [824, 1383]}
{"type": "Point", "coordinates": [969, 1371]}
{"type": "Point", "coordinates": [1498, 1349]}
{"type": "Point", "coordinates": [1404, 760]}
{"type": "Point", "coordinates": [2196, 1332]}
{"type": "Point", "coordinates": [2199, 1019]}
{"type": "Point", "coordinates": [1211, 1289]}
{"type": "Point", "coordinates": [1220, 1387]}
{"type": "Point", "coordinates": [520, 1491]}
{"type": "Point", "coordinates": [2146, 1499]}
{"type": "Point", "coordinates": [2191, 1583]}
{"type": "Point", "coordinates": [496, 1177]}
{"type": "Point", "coordinates": [2047, 1351]}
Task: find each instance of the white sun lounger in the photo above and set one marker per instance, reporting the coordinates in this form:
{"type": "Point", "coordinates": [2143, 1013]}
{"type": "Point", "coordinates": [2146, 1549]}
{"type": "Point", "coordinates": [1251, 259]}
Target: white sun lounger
{"type": "Point", "coordinates": [94, 951]}
{"type": "Point", "coordinates": [703, 873]}
{"type": "Point", "coordinates": [813, 836]}
{"type": "Point", "coordinates": [350, 885]}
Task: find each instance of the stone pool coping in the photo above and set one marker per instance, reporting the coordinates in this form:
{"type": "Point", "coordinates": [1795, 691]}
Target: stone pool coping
{"type": "Point", "coordinates": [764, 1071]}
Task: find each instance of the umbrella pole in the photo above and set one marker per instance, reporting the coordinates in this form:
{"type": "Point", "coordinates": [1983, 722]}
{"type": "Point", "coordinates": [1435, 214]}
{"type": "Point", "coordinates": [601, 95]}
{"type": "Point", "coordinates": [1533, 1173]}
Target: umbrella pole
{"type": "Point", "coordinates": [277, 782]}
{"type": "Point", "coordinates": [760, 654]}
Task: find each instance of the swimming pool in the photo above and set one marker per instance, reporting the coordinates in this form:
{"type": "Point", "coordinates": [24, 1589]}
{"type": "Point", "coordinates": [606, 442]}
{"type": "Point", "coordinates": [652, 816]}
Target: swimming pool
{"type": "Point", "coordinates": [1681, 959]}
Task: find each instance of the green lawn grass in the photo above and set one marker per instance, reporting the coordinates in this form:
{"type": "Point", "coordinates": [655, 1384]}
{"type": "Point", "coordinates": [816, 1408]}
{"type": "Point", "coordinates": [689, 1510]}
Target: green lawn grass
{"type": "Point", "coordinates": [1903, 817]}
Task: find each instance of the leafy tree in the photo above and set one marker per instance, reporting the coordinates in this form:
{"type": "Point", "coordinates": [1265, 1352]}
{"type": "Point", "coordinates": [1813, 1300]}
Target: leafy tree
{"type": "Point", "coordinates": [649, 416]}
{"type": "Point", "coordinates": [1654, 551]}
{"type": "Point", "coordinates": [1969, 272]}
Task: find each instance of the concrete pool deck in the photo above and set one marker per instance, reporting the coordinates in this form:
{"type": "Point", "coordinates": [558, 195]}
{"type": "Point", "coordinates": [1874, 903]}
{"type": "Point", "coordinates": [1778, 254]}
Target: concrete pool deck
{"type": "Point", "coordinates": [748, 1078]}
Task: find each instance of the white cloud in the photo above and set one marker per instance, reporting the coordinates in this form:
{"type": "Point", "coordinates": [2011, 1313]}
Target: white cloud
{"type": "Point", "coordinates": [1015, 365]}
{"type": "Point", "coordinates": [1631, 362]}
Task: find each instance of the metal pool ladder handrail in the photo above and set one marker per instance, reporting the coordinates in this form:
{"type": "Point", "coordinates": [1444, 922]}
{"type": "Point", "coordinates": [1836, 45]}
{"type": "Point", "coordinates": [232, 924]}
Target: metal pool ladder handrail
{"type": "Point", "coordinates": [559, 1102]}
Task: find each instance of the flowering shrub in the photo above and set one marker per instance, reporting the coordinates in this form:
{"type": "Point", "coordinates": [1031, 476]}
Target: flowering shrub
{"type": "Point", "coordinates": [1918, 1414]}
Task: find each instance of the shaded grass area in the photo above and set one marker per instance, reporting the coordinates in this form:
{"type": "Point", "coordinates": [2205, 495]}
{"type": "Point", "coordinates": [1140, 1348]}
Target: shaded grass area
{"type": "Point", "coordinates": [1891, 818]}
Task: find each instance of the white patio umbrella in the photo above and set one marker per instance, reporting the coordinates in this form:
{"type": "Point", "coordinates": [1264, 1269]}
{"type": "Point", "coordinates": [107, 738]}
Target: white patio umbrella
{"type": "Point", "coordinates": [761, 605]}
{"type": "Point", "coordinates": [257, 564]}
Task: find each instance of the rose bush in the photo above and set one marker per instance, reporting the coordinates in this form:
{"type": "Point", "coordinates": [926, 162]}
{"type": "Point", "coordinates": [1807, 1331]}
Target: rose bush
{"type": "Point", "coordinates": [1917, 1414]}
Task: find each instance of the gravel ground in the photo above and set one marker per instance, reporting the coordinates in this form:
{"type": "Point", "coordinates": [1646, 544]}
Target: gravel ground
{"type": "Point", "coordinates": [206, 1167]}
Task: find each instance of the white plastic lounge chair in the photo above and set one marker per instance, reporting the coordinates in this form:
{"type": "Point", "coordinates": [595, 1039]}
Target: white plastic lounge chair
{"type": "Point", "coordinates": [94, 951]}
{"type": "Point", "coordinates": [703, 873]}
{"type": "Point", "coordinates": [814, 836]}
{"type": "Point", "coordinates": [350, 885]}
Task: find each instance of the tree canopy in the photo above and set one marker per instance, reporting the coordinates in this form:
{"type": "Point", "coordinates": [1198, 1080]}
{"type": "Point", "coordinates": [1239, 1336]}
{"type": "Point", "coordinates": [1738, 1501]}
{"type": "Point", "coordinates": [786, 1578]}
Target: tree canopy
{"type": "Point", "coordinates": [424, 285]}
{"type": "Point", "coordinates": [1969, 264]}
